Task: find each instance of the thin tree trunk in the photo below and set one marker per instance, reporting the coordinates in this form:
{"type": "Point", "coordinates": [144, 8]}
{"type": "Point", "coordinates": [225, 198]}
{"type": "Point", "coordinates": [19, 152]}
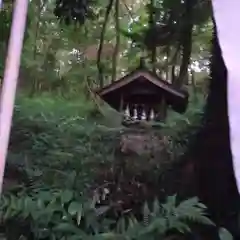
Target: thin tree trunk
{"type": "Point", "coordinates": [117, 45]}
{"type": "Point", "coordinates": [193, 83]}
{"type": "Point", "coordinates": [173, 74]}
{"type": "Point", "coordinates": [152, 25]}
{"type": "Point", "coordinates": [40, 7]}
{"type": "Point", "coordinates": [186, 41]}
{"type": "Point", "coordinates": [99, 64]}
{"type": "Point", "coordinates": [167, 63]}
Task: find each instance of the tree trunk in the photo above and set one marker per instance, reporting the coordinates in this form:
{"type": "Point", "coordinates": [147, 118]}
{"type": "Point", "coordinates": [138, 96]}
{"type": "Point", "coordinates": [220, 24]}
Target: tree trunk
{"type": "Point", "coordinates": [212, 153]}
{"type": "Point", "coordinates": [173, 74]}
{"type": "Point", "coordinates": [186, 41]}
{"type": "Point", "coordinates": [167, 63]}
{"type": "Point", "coordinates": [99, 64]}
{"type": "Point", "coordinates": [193, 84]}
{"type": "Point", "coordinates": [117, 45]}
{"type": "Point", "coordinates": [152, 21]}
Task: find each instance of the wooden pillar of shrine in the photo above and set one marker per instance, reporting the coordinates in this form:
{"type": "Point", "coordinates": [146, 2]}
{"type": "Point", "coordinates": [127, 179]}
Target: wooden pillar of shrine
{"type": "Point", "coordinates": [121, 105]}
{"type": "Point", "coordinates": [163, 109]}
{"type": "Point", "coordinates": [160, 111]}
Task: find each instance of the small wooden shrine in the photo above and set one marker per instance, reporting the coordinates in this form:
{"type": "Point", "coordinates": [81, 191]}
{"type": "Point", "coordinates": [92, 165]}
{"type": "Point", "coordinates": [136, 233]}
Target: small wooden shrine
{"type": "Point", "coordinates": [142, 95]}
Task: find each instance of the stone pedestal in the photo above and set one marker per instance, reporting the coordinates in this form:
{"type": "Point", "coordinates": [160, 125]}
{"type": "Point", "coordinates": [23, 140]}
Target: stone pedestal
{"type": "Point", "coordinates": [141, 150]}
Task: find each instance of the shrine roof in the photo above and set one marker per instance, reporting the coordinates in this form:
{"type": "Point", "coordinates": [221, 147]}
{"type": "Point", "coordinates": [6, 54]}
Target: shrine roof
{"type": "Point", "coordinates": [178, 98]}
{"type": "Point", "coordinates": [135, 76]}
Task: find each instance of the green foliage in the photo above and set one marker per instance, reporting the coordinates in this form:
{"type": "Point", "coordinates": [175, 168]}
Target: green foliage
{"type": "Point", "coordinates": [63, 59]}
{"type": "Point", "coordinates": [60, 144]}
{"type": "Point", "coordinates": [64, 213]}
{"type": "Point", "coordinates": [225, 234]}
{"type": "Point", "coordinates": [5, 18]}
{"type": "Point", "coordinates": [73, 11]}
{"type": "Point", "coordinates": [57, 143]}
{"type": "Point", "coordinates": [55, 213]}
{"type": "Point", "coordinates": [169, 17]}
{"type": "Point", "coordinates": [167, 217]}
{"type": "Point", "coordinates": [62, 151]}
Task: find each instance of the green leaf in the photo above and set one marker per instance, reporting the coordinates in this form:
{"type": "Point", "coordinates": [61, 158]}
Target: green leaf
{"type": "Point", "coordinates": [131, 223]}
{"type": "Point", "coordinates": [159, 224]}
{"type": "Point", "coordinates": [7, 214]}
{"type": "Point", "coordinates": [224, 234]}
{"type": "Point", "coordinates": [134, 231]}
{"type": "Point", "coordinates": [74, 207]}
{"type": "Point", "coordinates": [121, 225]}
{"type": "Point", "coordinates": [40, 204]}
{"type": "Point", "coordinates": [171, 200]}
{"type": "Point", "coordinates": [79, 214]}
{"type": "Point", "coordinates": [74, 237]}
{"type": "Point", "coordinates": [13, 202]}
{"type": "Point", "coordinates": [190, 202]}
{"type": "Point", "coordinates": [205, 220]}
{"type": "Point", "coordinates": [66, 196]}
{"type": "Point", "coordinates": [108, 236]}
{"type": "Point", "coordinates": [45, 196]}
{"type": "Point", "coordinates": [67, 228]}
{"type": "Point", "coordinates": [182, 227]}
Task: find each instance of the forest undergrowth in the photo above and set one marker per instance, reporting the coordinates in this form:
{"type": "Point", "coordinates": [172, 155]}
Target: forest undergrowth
{"type": "Point", "coordinates": [60, 180]}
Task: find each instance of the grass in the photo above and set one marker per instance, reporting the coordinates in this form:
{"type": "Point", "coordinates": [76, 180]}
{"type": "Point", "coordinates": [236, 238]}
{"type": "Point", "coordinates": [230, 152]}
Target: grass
{"type": "Point", "coordinates": [54, 107]}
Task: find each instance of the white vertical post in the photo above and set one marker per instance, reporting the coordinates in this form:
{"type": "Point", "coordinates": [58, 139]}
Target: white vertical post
{"type": "Point", "coordinates": [227, 19]}
{"type": "Point", "coordinates": [10, 79]}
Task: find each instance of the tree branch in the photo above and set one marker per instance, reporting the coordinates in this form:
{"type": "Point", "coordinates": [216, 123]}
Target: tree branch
{"type": "Point", "coordinates": [128, 10]}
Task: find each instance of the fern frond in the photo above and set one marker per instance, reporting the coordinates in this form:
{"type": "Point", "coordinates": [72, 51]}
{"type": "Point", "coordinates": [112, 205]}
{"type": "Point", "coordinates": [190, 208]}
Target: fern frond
{"type": "Point", "coordinates": [159, 224]}
{"type": "Point", "coordinates": [192, 210]}
{"type": "Point", "coordinates": [177, 224]}
{"type": "Point", "coordinates": [170, 205]}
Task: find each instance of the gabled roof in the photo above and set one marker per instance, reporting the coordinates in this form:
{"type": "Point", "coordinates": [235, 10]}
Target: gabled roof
{"type": "Point", "coordinates": [111, 93]}
{"type": "Point", "coordinates": [135, 76]}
